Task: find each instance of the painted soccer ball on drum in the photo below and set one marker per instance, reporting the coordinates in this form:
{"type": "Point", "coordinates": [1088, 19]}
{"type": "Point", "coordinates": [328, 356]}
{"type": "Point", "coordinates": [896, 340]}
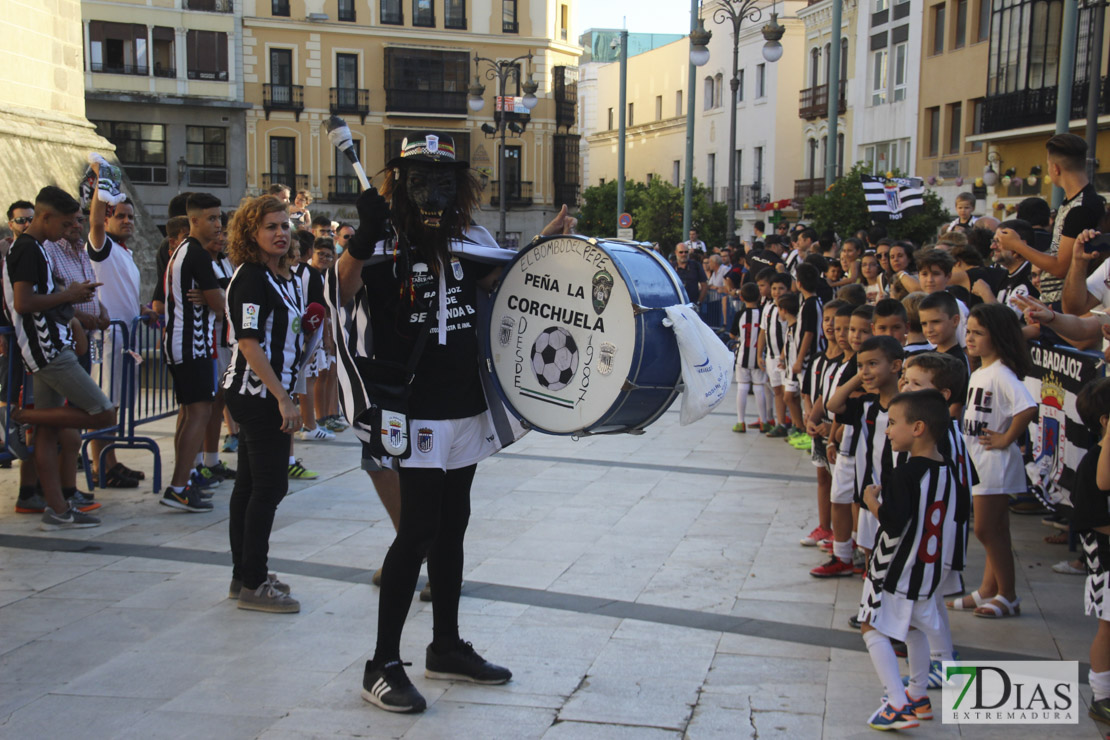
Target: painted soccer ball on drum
{"type": "Point", "coordinates": [554, 358]}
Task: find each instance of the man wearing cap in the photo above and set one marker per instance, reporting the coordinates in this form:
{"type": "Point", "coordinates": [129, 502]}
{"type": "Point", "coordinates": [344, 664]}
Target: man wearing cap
{"type": "Point", "coordinates": [411, 278]}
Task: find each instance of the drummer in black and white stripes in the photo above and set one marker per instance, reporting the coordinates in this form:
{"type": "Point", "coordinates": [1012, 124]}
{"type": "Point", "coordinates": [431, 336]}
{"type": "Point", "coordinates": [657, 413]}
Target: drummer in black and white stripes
{"type": "Point", "coordinates": [187, 344]}
{"type": "Point", "coordinates": [264, 310]}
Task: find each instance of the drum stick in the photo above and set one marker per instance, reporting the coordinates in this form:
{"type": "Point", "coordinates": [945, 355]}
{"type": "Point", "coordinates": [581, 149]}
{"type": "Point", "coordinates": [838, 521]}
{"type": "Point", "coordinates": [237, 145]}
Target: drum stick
{"type": "Point", "coordinates": [340, 136]}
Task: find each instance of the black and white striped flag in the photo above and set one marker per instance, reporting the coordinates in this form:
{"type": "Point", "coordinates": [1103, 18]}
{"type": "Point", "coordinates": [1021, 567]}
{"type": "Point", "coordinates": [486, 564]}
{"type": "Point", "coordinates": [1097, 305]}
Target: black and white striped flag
{"type": "Point", "coordinates": [891, 199]}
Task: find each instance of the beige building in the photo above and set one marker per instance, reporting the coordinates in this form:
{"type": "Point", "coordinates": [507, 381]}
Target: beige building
{"type": "Point", "coordinates": [814, 96]}
{"type": "Point", "coordinates": [394, 69]}
{"type": "Point", "coordinates": [163, 82]}
{"type": "Point", "coordinates": [767, 122]}
{"type": "Point", "coordinates": [1016, 111]}
{"type": "Point", "coordinates": [955, 42]}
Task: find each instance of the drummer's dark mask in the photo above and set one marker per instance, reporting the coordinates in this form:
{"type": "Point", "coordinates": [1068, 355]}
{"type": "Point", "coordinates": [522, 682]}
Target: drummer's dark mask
{"type": "Point", "coordinates": [433, 190]}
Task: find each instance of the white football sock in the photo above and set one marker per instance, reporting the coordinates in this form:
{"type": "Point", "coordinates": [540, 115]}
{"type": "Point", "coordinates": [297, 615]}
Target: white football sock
{"type": "Point", "coordinates": [940, 641]}
{"type": "Point", "coordinates": [292, 460]}
{"type": "Point", "coordinates": [199, 460]}
{"type": "Point", "coordinates": [917, 652]}
{"type": "Point", "coordinates": [211, 459]}
{"type": "Point", "coordinates": [843, 550]}
{"type": "Point", "coordinates": [1100, 684]}
{"type": "Point", "coordinates": [742, 400]}
{"type": "Point", "coordinates": [761, 402]}
{"type": "Point", "coordinates": [886, 666]}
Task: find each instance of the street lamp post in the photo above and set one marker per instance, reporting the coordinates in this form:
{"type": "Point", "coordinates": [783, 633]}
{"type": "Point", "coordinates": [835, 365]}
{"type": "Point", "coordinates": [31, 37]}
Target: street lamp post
{"type": "Point", "coordinates": [699, 55]}
{"type": "Point", "coordinates": [501, 70]}
{"type": "Point", "coordinates": [735, 12]}
{"type": "Point", "coordinates": [621, 118]}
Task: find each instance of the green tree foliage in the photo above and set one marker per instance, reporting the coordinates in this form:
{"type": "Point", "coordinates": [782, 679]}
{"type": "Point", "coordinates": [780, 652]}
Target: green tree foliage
{"type": "Point", "coordinates": [656, 209]}
{"type": "Point", "coordinates": [843, 209]}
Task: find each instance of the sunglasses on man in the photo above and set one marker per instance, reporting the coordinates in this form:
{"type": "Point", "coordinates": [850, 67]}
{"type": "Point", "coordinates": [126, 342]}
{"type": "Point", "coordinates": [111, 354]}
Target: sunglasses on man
{"type": "Point", "coordinates": [23, 220]}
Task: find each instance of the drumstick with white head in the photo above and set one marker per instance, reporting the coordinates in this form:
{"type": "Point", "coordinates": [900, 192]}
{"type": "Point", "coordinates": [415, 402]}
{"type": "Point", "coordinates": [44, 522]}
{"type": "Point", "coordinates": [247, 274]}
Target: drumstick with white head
{"type": "Point", "coordinates": [340, 136]}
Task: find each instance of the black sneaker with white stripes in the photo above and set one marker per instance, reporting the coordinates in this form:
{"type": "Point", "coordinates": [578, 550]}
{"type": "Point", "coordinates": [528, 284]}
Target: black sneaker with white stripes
{"type": "Point", "coordinates": [462, 662]}
{"type": "Point", "coordinates": [389, 688]}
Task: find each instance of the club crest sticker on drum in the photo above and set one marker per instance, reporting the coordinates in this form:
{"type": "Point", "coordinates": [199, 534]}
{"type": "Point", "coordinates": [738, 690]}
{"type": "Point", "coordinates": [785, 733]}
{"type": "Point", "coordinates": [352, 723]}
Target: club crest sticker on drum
{"type": "Point", "coordinates": [563, 308]}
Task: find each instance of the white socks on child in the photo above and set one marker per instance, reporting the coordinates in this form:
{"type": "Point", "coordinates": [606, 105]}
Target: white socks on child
{"type": "Point", "coordinates": [761, 403]}
{"type": "Point", "coordinates": [1100, 684]}
{"type": "Point", "coordinates": [842, 550]}
{"type": "Point", "coordinates": [886, 666]}
{"type": "Point", "coordinates": [917, 652]}
{"type": "Point", "coordinates": [940, 641]}
{"type": "Point", "coordinates": [211, 459]}
{"type": "Point", "coordinates": [742, 400]}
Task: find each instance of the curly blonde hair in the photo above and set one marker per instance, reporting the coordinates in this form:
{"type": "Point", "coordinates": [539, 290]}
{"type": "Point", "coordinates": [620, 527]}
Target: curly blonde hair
{"type": "Point", "coordinates": [241, 245]}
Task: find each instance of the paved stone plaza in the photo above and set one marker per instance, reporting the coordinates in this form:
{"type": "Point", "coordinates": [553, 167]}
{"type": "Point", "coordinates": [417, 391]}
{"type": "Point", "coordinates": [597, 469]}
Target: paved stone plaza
{"type": "Point", "coordinates": [638, 586]}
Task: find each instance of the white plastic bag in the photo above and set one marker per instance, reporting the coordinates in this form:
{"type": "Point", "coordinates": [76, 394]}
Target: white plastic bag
{"type": "Point", "coordinates": [706, 363]}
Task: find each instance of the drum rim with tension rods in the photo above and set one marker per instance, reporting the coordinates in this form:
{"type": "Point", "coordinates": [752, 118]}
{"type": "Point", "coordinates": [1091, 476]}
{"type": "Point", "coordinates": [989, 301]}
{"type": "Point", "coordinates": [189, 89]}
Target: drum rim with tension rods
{"type": "Point", "coordinates": [636, 366]}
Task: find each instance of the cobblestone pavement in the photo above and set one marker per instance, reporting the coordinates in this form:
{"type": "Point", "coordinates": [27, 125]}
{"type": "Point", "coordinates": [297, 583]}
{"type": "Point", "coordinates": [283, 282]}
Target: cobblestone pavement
{"type": "Point", "coordinates": [638, 586]}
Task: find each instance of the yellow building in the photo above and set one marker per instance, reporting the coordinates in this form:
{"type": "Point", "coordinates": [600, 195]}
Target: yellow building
{"type": "Point", "coordinates": [163, 82]}
{"type": "Point", "coordinates": [955, 41]}
{"type": "Point", "coordinates": [399, 68]}
{"type": "Point", "coordinates": [1018, 83]}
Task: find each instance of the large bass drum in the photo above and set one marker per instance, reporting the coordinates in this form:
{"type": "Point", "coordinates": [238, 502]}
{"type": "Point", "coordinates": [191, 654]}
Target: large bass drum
{"type": "Point", "coordinates": [576, 339]}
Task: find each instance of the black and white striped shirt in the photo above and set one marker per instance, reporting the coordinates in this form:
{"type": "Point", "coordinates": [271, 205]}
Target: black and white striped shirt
{"type": "Point", "coordinates": [41, 336]}
{"type": "Point", "coordinates": [745, 327]}
{"type": "Point", "coordinates": [311, 281]}
{"type": "Point", "coordinates": [774, 330]}
{"type": "Point", "coordinates": [266, 307]}
{"type": "Point", "coordinates": [224, 271]}
{"type": "Point", "coordinates": [917, 529]}
{"type": "Point", "coordinates": [189, 326]}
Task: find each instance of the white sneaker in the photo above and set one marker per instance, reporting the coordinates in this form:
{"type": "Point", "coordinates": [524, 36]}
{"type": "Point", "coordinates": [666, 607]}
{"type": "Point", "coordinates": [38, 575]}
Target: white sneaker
{"type": "Point", "coordinates": [318, 434]}
{"type": "Point", "coordinates": [1068, 569]}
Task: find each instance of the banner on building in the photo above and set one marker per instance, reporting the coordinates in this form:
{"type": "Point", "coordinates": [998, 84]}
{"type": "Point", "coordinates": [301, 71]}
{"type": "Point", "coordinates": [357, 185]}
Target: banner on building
{"type": "Point", "coordinates": [889, 199]}
{"type": "Point", "coordinates": [1058, 435]}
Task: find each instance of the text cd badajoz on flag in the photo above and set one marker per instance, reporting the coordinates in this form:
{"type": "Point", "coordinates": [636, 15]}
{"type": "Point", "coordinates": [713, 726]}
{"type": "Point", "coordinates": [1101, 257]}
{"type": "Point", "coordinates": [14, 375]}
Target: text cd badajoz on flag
{"type": "Point", "coordinates": [576, 336]}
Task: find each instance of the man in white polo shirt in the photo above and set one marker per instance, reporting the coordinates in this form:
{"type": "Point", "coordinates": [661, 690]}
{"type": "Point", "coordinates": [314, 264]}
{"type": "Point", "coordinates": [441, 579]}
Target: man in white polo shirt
{"type": "Point", "coordinates": [114, 266]}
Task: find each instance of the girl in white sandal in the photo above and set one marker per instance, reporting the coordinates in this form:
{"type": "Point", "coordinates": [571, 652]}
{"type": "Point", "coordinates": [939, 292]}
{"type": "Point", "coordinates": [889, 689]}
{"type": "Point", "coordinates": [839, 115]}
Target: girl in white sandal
{"type": "Point", "coordinates": [997, 413]}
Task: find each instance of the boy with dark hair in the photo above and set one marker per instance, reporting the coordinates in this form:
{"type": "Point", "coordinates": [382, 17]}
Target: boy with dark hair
{"type": "Point", "coordinates": [940, 320]}
{"type": "Point", "coordinates": [853, 293]}
{"type": "Point", "coordinates": [1091, 519]}
{"type": "Point", "coordinates": [40, 312]}
{"type": "Point", "coordinates": [809, 343]}
{"type": "Point", "coordinates": [773, 336]}
{"type": "Point", "coordinates": [187, 346]}
{"type": "Point", "coordinates": [934, 273]}
{"type": "Point", "coordinates": [889, 319]}
{"type": "Point", "coordinates": [1036, 212]}
{"type": "Point", "coordinates": [965, 206]}
{"type": "Point", "coordinates": [879, 363]}
{"type": "Point", "coordinates": [1081, 210]}
{"type": "Point", "coordinates": [904, 573]}
{"type": "Point", "coordinates": [745, 332]}
{"type": "Point", "coordinates": [915, 341]}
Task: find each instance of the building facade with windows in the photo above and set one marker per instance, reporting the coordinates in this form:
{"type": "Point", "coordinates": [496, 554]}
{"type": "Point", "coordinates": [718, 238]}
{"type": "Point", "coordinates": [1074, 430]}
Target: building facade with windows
{"type": "Point", "coordinates": [955, 43]}
{"type": "Point", "coordinates": [767, 126]}
{"type": "Point", "coordinates": [1016, 110]}
{"type": "Point", "coordinates": [886, 102]}
{"type": "Point", "coordinates": [163, 82]}
{"type": "Point", "coordinates": [399, 68]}
{"type": "Point", "coordinates": [813, 98]}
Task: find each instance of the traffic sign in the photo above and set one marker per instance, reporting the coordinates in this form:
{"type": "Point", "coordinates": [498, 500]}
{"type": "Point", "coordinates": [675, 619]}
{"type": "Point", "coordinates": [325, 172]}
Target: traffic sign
{"type": "Point", "coordinates": [624, 234]}
{"type": "Point", "coordinates": [625, 220]}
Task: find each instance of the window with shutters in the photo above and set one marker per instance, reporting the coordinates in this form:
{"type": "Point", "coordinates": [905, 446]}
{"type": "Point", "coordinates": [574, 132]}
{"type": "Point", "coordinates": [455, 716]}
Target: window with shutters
{"type": "Point", "coordinates": [426, 80]}
{"type": "Point", "coordinates": [207, 55]}
{"type": "Point", "coordinates": [118, 48]}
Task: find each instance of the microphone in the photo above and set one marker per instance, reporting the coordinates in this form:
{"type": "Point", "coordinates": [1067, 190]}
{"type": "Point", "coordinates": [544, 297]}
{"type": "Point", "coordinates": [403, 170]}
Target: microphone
{"type": "Point", "coordinates": [340, 137]}
{"type": "Point", "coordinates": [313, 318]}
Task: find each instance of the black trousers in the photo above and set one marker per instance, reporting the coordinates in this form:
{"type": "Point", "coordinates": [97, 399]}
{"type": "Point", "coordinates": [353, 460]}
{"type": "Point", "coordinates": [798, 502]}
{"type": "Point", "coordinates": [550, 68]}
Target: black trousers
{"type": "Point", "coordinates": [435, 510]}
{"type": "Point", "coordinates": [261, 482]}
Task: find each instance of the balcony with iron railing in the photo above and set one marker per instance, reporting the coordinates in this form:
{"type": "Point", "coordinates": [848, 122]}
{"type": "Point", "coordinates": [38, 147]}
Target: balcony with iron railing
{"type": "Point", "coordinates": [519, 193]}
{"type": "Point", "coordinates": [814, 101]}
{"type": "Point", "coordinates": [805, 188]}
{"type": "Point", "coordinates": [343, 188]}
{"type": "Point", "coordinates": [288, 179]}
{"type": "Point", "coordinates": [140, 70]}
{"type": "Point", "coordinates": [283, 97]}
{"type": "Point", "coordinates": [510, 27]}
{"type": "Point", "coordinates": [406, 100]}
{"type": "Point", "coordinates": [212, 6]}
{"type": "Point", "coordinates": [1037, 107]}
{"type": "Point", "coordinates": [160, 71]}
{"type": "Point", "coordinates": [208, 74]}
{"type": "Point", "coordinates": [350, 100]}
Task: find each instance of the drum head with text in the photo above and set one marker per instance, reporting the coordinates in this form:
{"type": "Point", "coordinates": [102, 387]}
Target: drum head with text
{"type": "Point", "coordinates": [562, 334]}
